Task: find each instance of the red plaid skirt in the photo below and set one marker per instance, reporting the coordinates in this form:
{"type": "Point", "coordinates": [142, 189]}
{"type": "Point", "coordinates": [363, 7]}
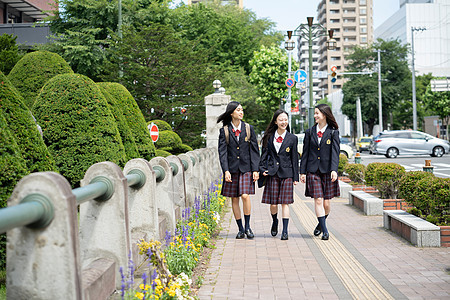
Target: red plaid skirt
{"type": "Point", "coordinates": [319, 185]}
{"type": "Point", "coordinates": [241, 184]}
{"type": "Point", "coordinates": [278, 191]}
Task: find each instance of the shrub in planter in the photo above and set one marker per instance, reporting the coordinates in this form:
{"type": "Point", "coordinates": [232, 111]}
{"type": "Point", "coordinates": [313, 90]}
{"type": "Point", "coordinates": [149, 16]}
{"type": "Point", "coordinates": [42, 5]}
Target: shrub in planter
{"type": "Point", "coordinates": [162, 125]}
{"type": "Point", "coordinates": [408, 186]}
{"type": "Point", "coordinates": [34, 69]}
{"type": "Point", "coordinates": [78, 126]}
{"type": "Point", "coordinates": [24, 129]}
{"type": "Point", "coordinates": [131, 150]}
{"type": "Point", "coordinates": [343, 161]}
{"type": "Point", "coordinates": [134, 118]}
{"type": "Point", "coordinates": [162, 153]}
{"type": "Point", "coordinates": [370, 173]}
{"type": "Point", "coordinates": [387, 179]}
{"type": "Point", "coordinates": [435, 194]}
{"type": "Point", "coordinates": [168, 139]}
{"type": "Point", "coordinates": [356, 172]}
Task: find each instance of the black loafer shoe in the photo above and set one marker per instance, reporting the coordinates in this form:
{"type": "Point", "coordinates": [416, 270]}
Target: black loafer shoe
{"type": "Point", "coordinates": [249, 233]}
{"type": "Point", "coordinates": [325, 236]}
{"type": "Point", "coordinates": [284, 236]}
{"type": "Point", "coordinates": [274, 229]}
{"type": "Point", "coordinates": [317, 230]}
{"type": "Point", "coordinates": [240, 235]}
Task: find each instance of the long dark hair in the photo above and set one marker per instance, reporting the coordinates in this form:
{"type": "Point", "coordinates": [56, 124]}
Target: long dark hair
{"type": "Point", "coordinates": [326, 110]}
{"type": "Point", "coordinates": [272, 127]}
{"type": "Point", "coordinates": [225, 118]}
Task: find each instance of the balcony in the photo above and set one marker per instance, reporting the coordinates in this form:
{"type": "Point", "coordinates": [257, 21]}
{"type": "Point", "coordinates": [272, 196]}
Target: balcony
{"type": "Point", "coordinates": [27, 34]}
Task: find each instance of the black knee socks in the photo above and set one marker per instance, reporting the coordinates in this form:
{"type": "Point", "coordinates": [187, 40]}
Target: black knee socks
{"type": "Point", "coordinates": [322, 224]}
{"type": "Point", "coordinates": [285, 224]}
{"type": "Point", "coordinates": [239, 223]}
{"type": "Point", "coordinates": [247, 222]}
{"type": "Point", "coordinates": [274, 221]}
{"type": "Point", "coordinates": [318, 225]}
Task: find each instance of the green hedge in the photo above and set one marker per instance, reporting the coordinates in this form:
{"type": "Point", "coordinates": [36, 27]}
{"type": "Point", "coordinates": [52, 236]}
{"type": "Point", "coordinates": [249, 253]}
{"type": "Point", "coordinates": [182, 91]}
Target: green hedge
{"type": "Point", "coordinates": [34, 69]}
{"type": "Point", "coordinates": [131, 150]}
{"type": "Point", "coordinates": [134, 118]}
{"type": "Point", "coordinates": [343, 161]}
{"type": "Point", "coordinates": [387, 178]}
{"type": "Point", "coordinates": [356, 172]}
{"type": "Point", "coordinates": [162, 125]}
{"type": "Point", "coordinates": [370, 173]}
{"type": "Point", "coordinates": [408, 186]}
{"type": "Point", "coordinates": [22, 126]}
{"type": "Point", "coordinates": [77, 124]}
{"type": "Point", "coordinates": [168, 138]}
{"type": "Point", "coordinates": [183, 148]}
{"type": "Point", "coordinates": [162, 153]}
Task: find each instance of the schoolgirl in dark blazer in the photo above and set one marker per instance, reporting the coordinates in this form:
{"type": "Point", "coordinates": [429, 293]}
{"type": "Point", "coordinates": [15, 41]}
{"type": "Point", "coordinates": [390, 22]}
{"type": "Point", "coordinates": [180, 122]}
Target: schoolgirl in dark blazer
{"type": "Point", "coordinates": [319, 164]}
{"type": "Point", "coordinates": [239, 159]}
{"type": "Point", "coordinates": [279, 168]}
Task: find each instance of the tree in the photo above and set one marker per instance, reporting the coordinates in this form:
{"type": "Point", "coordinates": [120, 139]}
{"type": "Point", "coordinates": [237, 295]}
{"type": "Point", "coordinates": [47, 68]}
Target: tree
{"type": "Point", "coordinates": [439, 104]}
{"type": "Point", "coordinates": [9, 53]}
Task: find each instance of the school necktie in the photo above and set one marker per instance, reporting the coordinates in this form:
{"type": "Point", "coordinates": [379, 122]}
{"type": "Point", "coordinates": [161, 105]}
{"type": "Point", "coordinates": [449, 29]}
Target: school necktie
{"type": "Point", "coordinates": [320, 134]}
{"type": "Point", "coordinates": [237, 132]}
{"type": "Point", "coordinates": [279, 139]}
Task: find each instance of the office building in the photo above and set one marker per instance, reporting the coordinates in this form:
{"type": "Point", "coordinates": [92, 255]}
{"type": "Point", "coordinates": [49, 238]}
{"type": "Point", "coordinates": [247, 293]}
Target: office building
{"type": "Point", "coordinates": [240, 3]}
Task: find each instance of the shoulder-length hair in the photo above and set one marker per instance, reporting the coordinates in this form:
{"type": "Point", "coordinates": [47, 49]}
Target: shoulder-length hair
{"type": "Point", "coordinates": [225, 118]}
{"type": "Point", "coordinates": [270, 130]}
{"type": "Point", "coordinates": [326, 110]}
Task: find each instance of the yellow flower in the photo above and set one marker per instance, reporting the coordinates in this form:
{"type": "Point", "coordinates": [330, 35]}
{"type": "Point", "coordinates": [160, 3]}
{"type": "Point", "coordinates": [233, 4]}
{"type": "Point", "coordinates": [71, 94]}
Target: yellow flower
{"type": "Point", "coordinates": [195, 258]}
{"type": "Point", "coordinates": [205, 239]}
{"type": "Point", "coordinates": [142, 287]}
{"type": "Point", "coordinates": [171, 293]}
{"type": "Point", "coordinates": [139, 295]}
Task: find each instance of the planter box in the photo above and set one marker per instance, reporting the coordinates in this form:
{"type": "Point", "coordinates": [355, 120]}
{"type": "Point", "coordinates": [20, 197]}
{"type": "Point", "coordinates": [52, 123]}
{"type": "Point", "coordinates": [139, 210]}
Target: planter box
{"type": "Point", "coordinates": [396, 204]}
{"type": "Point", "coordinates": [445, 236]}
{"type": "Point", "coordinates": [369, 204]}
{"type": "Point", "coordinates": [344, 179]}
{"type": "Point", "coordinates": [365, 188]}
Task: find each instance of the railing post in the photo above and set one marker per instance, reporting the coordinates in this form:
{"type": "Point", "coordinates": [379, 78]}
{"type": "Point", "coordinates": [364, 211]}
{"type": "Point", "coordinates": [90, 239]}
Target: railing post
{"type": "Point", "coordinates": [45, 263]}
{"type": "Point", "coordinates": [191, 190]}
{"type": "Point", "coordinates": [104, 225]}
{"type": "Point", "coordinates": [178, 185]}
{"type": "Point", "coordinates": [201, 169]}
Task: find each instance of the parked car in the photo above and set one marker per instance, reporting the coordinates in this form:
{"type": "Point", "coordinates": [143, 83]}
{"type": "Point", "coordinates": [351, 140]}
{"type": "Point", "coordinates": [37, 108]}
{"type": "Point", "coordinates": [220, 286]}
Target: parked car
{"type": "Point", "coordinates": [397, 142]}
{"type": "Point", "coordinates": [363, 143]}
{"type": "Point", "coordinates": [344, 148]}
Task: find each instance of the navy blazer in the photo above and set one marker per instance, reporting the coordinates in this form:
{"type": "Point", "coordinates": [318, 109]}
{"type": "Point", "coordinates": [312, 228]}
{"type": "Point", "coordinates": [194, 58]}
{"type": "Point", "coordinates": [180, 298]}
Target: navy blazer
{"type": "Point", "coordinates": [242, 155]}
{"type": "Point", "coordinates": [284, 163]}
{"type": "Point", "coordinates": [324, 157]}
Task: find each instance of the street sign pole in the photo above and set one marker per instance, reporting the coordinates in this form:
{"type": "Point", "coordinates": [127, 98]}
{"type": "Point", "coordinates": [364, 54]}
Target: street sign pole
{"type": "Point", "coordinates": [288, 102]}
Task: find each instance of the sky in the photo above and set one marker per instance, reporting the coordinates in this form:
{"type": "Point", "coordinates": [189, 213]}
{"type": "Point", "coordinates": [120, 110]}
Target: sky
{"type": "Point", "coordinates": [288, 14]}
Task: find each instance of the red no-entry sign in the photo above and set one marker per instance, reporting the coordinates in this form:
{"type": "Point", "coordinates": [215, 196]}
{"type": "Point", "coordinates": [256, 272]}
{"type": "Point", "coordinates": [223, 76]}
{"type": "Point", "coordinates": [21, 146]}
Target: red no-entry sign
{"type": "Point", "coordinates": [154, 132]}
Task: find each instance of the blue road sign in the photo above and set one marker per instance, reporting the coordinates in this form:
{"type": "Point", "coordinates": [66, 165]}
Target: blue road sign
{"type": "Point", "coordinates": [290, 82]}
{"type": "Point", "coordinates": [300, 76]}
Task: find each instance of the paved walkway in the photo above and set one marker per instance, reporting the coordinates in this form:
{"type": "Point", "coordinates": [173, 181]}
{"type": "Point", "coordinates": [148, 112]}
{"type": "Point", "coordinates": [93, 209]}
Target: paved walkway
{"type": "Point", "coordinates": [361, 260]}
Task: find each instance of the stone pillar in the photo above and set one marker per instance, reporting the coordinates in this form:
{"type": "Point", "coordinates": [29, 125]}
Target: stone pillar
{"type": "Point", "coordinates": [189, 179]}
{"type": "Point", "coordinates": [215, 105]}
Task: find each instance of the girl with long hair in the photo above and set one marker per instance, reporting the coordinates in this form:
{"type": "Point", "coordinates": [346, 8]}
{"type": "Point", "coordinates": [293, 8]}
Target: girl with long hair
{"type": "Point", "coordinates": [319, 164]}
{"type": "Point", "coordinates": [279, 169]}
{"type": "Point", "coordinates": [239, 159]}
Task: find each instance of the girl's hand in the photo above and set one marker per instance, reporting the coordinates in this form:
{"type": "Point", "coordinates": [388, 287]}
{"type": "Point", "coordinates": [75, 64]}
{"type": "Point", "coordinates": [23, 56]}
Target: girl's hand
{"type": "Point", "coordinates": [333, 176]}
{"type": "Point", "coordinates": [228, 176]}
{"type": "Point", "coordinates": [295, 182]}
{"type": "Point", "coordinates": [266, 173]}
{"type": "Point", "coordinates": [255, 176]}
{"type": "Point", "coordinates": [303, 178]}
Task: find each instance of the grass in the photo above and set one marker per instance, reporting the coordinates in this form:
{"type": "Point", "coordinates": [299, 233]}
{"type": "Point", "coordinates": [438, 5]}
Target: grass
{"type": "Point", "coordinates": [2, 284]}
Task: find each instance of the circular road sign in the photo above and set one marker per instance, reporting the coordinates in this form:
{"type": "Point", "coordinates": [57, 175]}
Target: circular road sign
{"type": "Point", "coordinates": [290, 82]}
{"type": "Point", "coordinates": [300, 76]}
{"type": "Point", "coordinates": [154, 132]}
{"type": "Point", "coordinates": [333, 69]}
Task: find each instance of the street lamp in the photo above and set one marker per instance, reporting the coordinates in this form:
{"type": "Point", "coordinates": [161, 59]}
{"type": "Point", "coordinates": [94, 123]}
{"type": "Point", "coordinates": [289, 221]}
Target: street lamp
{"type": "Point", "coordinates": [311, 32]}
{"type": "Point", "coordinates": [216, 86]}
{"type": "Point", "coordinates": [414, 76]}
{"type": "Point", "coordinates": [289, 45]}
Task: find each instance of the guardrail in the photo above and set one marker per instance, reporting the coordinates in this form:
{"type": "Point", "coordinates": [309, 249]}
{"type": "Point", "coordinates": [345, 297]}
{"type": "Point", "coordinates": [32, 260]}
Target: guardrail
{"type": "Point", "coordinates": [53, 250]}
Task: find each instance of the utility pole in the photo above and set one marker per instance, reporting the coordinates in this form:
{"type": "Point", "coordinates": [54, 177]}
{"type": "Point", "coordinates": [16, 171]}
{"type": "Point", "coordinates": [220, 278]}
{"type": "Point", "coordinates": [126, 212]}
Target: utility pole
{"type": "Point", "coordinates": [414, 76]}
{"type": "Point", "coordinates": [380, 102]}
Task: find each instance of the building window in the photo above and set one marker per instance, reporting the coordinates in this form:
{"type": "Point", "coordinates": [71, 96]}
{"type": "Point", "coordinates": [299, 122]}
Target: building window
{"type": "Point", "coordinates": [363, 29]}
{"type": "Point", "coordinates": [334, 21]}
{"type": "Point", "coordinates": [362, 2]}
{"type": "Point", "coordinates": [363, 39]}
{"type": "Point", "coordinates": [362, 11]}
{"type": "Point", "coordinates": [334, 11]}
{"type": "Point", "coordinates": [335, 58]}
{"type": "Point", "coordinates": [363, 20]}
{"type": "Point", "coordinates": [336, 86]}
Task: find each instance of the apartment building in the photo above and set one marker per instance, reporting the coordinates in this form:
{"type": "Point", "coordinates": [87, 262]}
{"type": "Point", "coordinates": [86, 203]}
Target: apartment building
{"type": "Point", "coordinates": [352, 23]}
{"type": "Point", "coordinates": [240, 3]}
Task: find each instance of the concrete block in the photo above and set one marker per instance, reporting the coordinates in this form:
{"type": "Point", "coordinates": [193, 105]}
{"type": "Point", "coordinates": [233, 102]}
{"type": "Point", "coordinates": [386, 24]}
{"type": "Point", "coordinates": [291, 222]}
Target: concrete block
{"type": "Point", "coordinates": [99, 279]}
{"type": "Point", "coordinates": [345, 188]}
{"type": "Point", "coordinates": [371, 205]}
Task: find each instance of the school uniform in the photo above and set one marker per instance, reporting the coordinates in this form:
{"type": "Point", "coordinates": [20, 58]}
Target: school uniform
{"type": "Point", "coordinates": [281, 162]}
{"type": "Point", "coordinates": [240, 156]}
{"type": "Point", "coordinates": [320, 157]}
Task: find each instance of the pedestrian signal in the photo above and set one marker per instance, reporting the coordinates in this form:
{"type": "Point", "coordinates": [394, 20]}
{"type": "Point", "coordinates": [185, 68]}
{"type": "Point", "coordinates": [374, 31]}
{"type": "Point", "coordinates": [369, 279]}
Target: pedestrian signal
{"type": "Point", "coordinates": [333, 73]}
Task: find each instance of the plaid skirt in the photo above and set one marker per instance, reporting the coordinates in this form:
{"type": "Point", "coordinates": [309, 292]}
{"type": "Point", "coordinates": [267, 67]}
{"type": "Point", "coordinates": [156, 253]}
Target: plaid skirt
{"type": "Point", "coordinates": [319, 185]}
{"type": "Point", "coordinates": [241, 184]}
{"type": "Point", "coordinates": [278, 191]}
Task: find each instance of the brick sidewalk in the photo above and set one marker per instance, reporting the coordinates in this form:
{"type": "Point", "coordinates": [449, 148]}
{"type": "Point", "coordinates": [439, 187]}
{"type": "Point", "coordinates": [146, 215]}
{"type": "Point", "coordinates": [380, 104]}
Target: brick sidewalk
{"type": "Point", "coordinates": [361, 260]}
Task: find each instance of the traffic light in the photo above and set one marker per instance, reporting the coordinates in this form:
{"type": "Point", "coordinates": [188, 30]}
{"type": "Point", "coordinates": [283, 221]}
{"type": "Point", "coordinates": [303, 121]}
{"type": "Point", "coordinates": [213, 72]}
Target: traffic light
{"type": "Point", "coordinates": [333, 73]}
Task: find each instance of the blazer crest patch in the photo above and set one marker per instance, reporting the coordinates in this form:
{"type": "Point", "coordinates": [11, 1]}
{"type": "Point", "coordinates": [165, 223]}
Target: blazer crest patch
{"type": "Point", "coordinates": [246, 139]}
{"type": "Point", "coordinates": [328, 142]}
{"type": "Point", "coordinates": [288, 149]}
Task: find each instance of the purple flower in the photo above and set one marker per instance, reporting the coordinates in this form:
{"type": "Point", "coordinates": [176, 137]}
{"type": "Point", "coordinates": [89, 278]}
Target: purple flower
{"type": "Point", "coordinates": [168, 238]}
{"type": "Point", "coordinates": [144, 281]}
{"type": "Point", "coordinates": [123, 282]}
{"type": "Point", "coordinates": [131, 270]}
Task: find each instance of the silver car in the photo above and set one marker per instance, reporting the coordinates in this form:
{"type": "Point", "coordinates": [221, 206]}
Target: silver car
{"type": "Point", "coordinates": [395, 142]}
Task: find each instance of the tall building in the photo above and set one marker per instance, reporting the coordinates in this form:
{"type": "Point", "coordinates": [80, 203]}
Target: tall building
{"type": "Point", "coordinates": [432, 45]}
{"type": "Point", "coordinates": [240, 3]}
{"type": "Point", "coordinates": [352, 23]}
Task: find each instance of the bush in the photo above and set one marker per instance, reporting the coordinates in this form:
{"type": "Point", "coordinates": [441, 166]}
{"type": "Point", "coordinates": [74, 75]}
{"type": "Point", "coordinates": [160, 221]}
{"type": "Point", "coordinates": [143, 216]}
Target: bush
{"type": "Point", "coordinates": [370, 173]}
{"type": "Point", "coordinates": [343, 161]}
{"type": "Point", "coordinates": [433, 198]}
{"type": "Point", "coordinates": [78, 126]}
{"type": "Point", "coordinates": [24, 130]}
{"type": "Point", "coordinates": [31, 73]}
{"type": "Point", "coordinates": [356, 172]}
{"type": "Point", "coordinates": [408, 186]}
{"type": "Point", "coordinates": [162, 125]}
{"type": "Point", "coordinates": [387, 178]}
{"type": "Point", "coordinates": [168, 139]}
{"type": "Point", "coordinates": [162, 153]}
{"type": "Point", "coordinates": [134, 118]}
{"type": "Point", "coordinates": [9, 52]}
{"type": "Point", "coordinates": [129, 144]}
{"type": "Point", "coordinates": [182, 148]}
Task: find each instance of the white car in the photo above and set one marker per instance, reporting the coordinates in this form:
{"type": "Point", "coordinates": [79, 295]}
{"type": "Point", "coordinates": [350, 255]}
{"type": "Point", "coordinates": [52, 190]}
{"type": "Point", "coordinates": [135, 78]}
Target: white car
{"type": "Point", "coordinates": [344, 148]}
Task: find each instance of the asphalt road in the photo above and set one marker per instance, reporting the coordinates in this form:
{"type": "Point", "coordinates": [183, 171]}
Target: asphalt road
{"type": "Point", "coordinates": [411, 162]}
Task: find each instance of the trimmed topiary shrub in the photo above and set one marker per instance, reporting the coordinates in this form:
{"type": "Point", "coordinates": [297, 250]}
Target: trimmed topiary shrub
{"type": "Point", "coordinates": [343, 161]}
{"type": "Point", "coordinates": [356, 172]}
{"type": "Point", "coordinates": [162, 153]}
{"type": "Point", "coordinates": [182, 148]}
{"type": "Point", "coordinates": [131, 150]}
{"type": "Point", "coordinates": [12, 169]}
{"type": "Point", "coordinates": [408, 186]}
{"type": "Point", "coordinates": [162, 125]}
{"type": "Point", "coordinates": [387, 179]}
{"type": "Point", "coordinates": [370, 173]}
{"type": "Point", "coordinates": [22, 126]}
{"type": "Point", "coordinates": [168, 139]}
{"type": "Point", "coordinates": [134, 118]}
{"type": "Point", "coordinates": [34, 69]}
{"type": "Point", "coordinates": [432, 197]}
{"type": "Point", "coordinates": [78, 126]}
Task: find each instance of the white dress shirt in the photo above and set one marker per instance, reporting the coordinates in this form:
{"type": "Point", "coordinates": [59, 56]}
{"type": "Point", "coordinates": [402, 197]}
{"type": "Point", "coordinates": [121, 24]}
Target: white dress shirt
{"type": "Point", "coordinates": [323, 131]}
{"type": "Point", "coordinates": [275, 143]}
{"type": "Point", "coordinates": [237, 128]}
